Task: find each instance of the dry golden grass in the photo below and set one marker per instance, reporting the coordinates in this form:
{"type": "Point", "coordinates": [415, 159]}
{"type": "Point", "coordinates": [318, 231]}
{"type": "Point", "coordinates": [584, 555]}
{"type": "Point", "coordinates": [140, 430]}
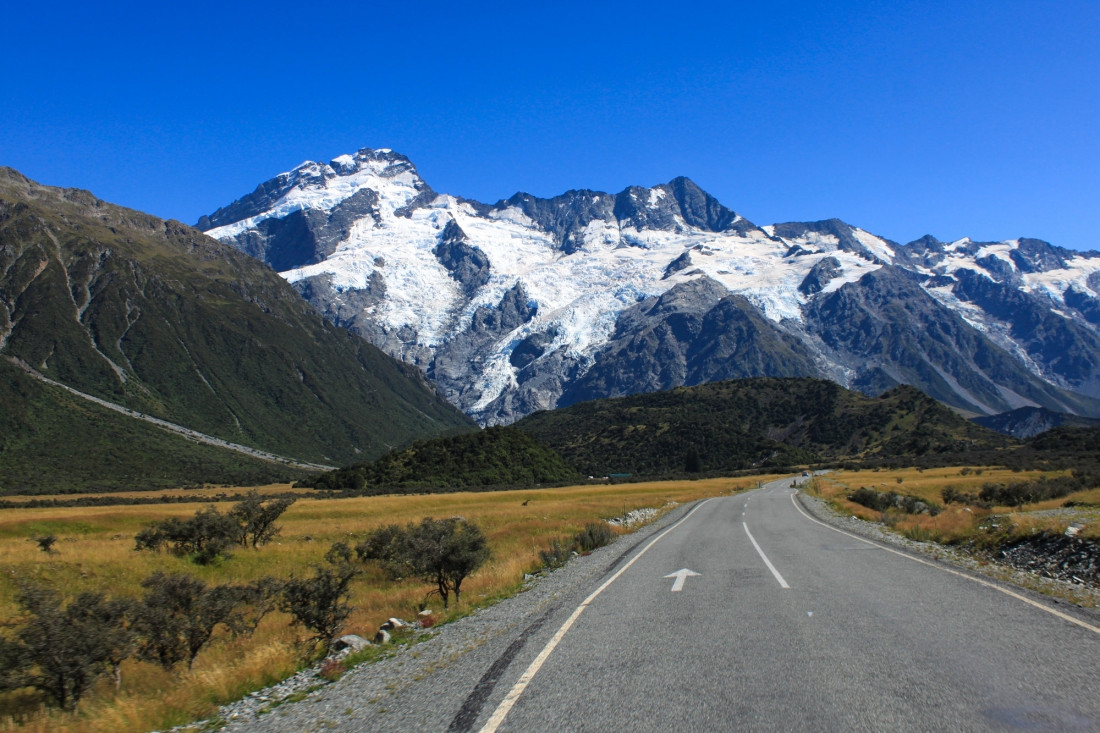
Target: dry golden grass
{"type": "Point", "coordinates": [95, 552]}
{"type": "Point", "coordinates": [957, 523]}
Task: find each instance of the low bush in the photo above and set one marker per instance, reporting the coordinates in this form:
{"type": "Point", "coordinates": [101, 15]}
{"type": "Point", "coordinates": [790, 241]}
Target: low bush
{"type": "Point", "coordinates": [321, 603]}
{"type": "Point", "coordinates": [1029, 492]}
{"type": "Point", "coordinates": [209, 534]}
{"type": "Point", "coordinates": [882, 501]}
{"type": "Point", "coordinates": [594, 534]}
{"type": "Point", "coordinates": [62, 650]}
{"type": "Point", "coordinates": [556, 555]}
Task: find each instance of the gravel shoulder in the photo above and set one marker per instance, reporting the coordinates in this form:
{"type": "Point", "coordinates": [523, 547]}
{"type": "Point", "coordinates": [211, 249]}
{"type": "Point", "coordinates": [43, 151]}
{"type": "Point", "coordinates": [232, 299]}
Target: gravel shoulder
{"type": "Point", "coordinates": [1083, 599]}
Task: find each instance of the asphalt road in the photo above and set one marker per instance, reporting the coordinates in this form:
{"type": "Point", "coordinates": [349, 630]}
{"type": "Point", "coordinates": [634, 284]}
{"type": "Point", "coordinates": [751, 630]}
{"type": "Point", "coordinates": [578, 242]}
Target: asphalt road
{"type": "Point", "coordinates": [860, 639]}
{"type": "Point", "coordinates": [788, 625]}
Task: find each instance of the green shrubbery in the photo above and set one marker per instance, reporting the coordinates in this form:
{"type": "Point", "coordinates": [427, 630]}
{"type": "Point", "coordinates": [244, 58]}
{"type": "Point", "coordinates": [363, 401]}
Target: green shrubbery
{"type": "Point", "coordinates": [322, 602]}
{"type": "Point", "coordinates": [882, 501]}
{"type": "Point", "coordinates": [209, 534]}
{"type": "Point", "coordinates": [594, 535]}
{"type": "Point", "coordinates": [62, 648]}
{"type": "Point", "coordinates": [439, 551]}
{"type": "Point", "coordinates": [494, 457]}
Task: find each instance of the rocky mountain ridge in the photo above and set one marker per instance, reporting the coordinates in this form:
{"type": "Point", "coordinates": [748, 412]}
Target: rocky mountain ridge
{"type": "Point", "coordinates": [534, 303]}
{"type": "Point", "coordinates": [156, 317]}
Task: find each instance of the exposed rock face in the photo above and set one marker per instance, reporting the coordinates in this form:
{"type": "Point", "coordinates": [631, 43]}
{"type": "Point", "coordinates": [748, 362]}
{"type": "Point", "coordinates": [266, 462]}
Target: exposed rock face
{"type": "Point", "coordinates": [820, 274]}
{"type": "Point", "coordinates": [529, 303]}
{"type": "Point", "coordinates": [694, 333]}
{"type": "Point", "coordinates": [467, 265]}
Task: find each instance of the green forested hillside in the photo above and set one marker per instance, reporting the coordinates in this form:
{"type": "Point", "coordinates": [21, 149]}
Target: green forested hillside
{"type": "Point", "coordinates": [500, 456]}
{"type": "Point", "coordinates": [54, 442]}
{"type": "Point", "coordinates": [155, 316]}
{"type": "Point", "coordinates": [718, 427]}
{"type": "Point", "coordinates": [751, 423]}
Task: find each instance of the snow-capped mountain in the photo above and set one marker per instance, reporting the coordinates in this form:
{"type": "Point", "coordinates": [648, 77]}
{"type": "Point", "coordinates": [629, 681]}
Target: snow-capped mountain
{"type": "Point", "coordinates": [533, 303]}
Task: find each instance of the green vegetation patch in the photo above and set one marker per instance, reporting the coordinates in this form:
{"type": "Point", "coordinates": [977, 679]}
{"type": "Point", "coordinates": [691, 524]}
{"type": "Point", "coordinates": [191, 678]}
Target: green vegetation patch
{"type": "Point", "coordinates": [489, 458]}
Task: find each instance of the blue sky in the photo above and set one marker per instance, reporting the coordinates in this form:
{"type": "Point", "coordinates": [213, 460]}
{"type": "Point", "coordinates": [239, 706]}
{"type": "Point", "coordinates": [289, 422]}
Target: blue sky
{"type": "Point", "coordinates": [977, 119]}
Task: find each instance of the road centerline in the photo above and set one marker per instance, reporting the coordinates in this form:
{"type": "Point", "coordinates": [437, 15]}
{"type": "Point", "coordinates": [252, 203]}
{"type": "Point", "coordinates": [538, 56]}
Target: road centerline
{"type": "Point", "coordinates": [778, 577]}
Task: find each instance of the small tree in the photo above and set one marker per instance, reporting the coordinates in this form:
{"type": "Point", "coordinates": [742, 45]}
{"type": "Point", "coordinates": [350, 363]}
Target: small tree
{"type": "Point", "coordinates": [178, 615]}
{"type": "Point", "coordinates": [321, 603]}
{"type": "Point", "coordinates": [63, 650]}
{"type": "Point", "coordinates": [256, 518]}
{"type": "Point", "coordinates": [439, 551]}
{"type": "Point", "coordinates": [205, 536]}
{"type": "Point", "coordinates": [257, 599]}
{"type": "Point", "coordinates": [387, 546]}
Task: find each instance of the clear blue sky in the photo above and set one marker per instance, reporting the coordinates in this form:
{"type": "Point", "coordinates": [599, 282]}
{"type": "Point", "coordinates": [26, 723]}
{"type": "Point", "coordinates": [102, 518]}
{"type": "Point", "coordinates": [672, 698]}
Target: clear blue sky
{"type": "Point", "coordinates": [974, 118]}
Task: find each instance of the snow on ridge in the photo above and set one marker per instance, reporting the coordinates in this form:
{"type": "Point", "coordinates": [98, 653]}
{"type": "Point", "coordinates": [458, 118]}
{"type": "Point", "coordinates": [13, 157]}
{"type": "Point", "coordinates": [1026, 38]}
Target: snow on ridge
{"type": "Point", "coordinates": [875, 245]}
{"type": "Point", "coordinates": [323, 186]}
{"type": "Point", "coordinates": [580, 294]}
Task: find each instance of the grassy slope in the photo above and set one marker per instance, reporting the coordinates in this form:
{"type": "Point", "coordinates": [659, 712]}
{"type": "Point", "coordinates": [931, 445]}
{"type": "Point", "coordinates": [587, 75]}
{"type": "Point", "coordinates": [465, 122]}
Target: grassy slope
{"type": "Point", "coordinates": [158, 317]}
{"type": "Point", "coordinates": [52, 441]}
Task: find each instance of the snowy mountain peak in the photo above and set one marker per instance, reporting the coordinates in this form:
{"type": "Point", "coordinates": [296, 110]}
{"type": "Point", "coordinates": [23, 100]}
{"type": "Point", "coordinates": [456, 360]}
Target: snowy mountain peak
{"type": "Point", "coordinates": [315, 185]}
{"type": "Point", "coordinates": [532, 302]}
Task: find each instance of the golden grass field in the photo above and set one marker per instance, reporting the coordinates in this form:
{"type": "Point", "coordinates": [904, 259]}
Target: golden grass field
{"type": "Point", "coordinates": [95, 552]}
{"type": "Point", "coordinates": [956, 522]}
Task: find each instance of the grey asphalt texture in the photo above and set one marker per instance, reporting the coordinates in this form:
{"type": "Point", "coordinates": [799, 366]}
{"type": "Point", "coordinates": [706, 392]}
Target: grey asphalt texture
{"type": "Point", "coordinates": [863, 639]}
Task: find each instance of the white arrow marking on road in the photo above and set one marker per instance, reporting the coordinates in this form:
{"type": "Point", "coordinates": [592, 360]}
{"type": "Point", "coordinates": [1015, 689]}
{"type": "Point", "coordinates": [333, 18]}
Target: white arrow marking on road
{"type": "Point", "coordinates": [681, 576]}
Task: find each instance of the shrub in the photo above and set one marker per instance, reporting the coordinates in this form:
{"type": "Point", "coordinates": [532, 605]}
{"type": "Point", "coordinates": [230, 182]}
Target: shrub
{"type": "Point", "coordinates": [556, 555]}
{"type": "Point", "coordinates": [255, 518]}
{"type": "Point", "coordinates": [63, 650]}
{"type": "Point", "coordinates": [881, 501]}
{"type": "Point", "coordinates": [46, 543]}
{"type": "Point", "coordinates": [339, 553]}
{"type": "Point", "coordinates": [439, 551]}
{"type": "Point", "coordinates": [209, 534]}
{"type": "Point", "coordinates": [385, 545]}
{"type": "Point", "coordinates": [204, 537]}
{"type": "Point", "coordinates": [255, 600]}
{"type": "Point", "coordinates": [321, 603]}
{"type": "Point", "coordinates": [178, 615]}
{"type": "Point", "coordinates": [594, 534]}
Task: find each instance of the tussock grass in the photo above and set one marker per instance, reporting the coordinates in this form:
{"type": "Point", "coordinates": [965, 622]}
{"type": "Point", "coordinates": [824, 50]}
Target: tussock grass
{"type": "Point", "coordinates": [95, 552]}
{"type": "Point", "coordinates": [959, 524]}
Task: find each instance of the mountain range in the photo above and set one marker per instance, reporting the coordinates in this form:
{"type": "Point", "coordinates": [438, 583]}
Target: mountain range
{"type": "Point", "coordinates": [155, 317]}
{"type": "Point", "coordinates": [535, 303]}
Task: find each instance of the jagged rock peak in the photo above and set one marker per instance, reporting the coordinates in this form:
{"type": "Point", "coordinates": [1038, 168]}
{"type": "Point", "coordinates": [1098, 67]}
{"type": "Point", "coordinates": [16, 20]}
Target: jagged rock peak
{"type": "Point", "coordinates": [326, 183]}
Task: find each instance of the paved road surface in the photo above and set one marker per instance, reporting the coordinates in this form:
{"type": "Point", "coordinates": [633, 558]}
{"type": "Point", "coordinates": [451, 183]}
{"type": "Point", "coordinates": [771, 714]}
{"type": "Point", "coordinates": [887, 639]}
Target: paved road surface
{"type": "Point", "coordinates": [842, 635]}
{"type": "Point", "coordinates": [836, 634]}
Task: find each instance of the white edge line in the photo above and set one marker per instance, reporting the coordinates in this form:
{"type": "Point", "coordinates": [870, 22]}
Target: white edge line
{"type": "Point", "coordinates": [525, 679]}
{"type": "Point", "coordinates": [979, 581]}
{"type": "Point", "coordinates": [782, 583]}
